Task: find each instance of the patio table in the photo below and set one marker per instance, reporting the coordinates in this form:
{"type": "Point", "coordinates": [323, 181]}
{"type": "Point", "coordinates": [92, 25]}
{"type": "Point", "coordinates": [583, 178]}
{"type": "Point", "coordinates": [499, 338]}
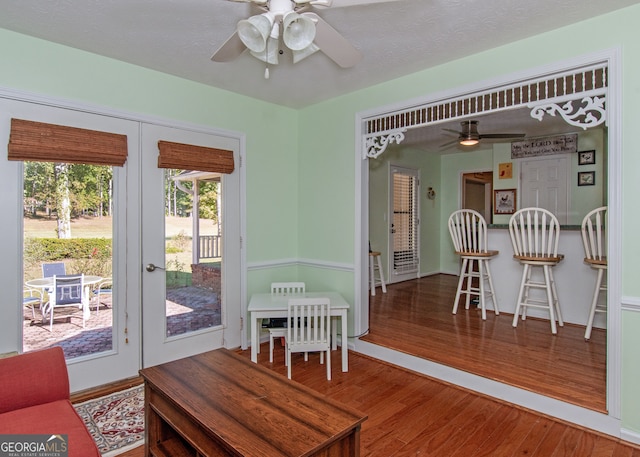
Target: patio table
{"type": "Point", "coordinates": [47, 283]}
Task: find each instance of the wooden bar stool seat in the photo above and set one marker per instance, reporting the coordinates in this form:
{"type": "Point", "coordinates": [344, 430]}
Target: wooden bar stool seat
{"type": "Point", "coordinates": [594, 240]}
{"type": "Point", "coordinates": [534, 235]}
{"type": "Point", "coordinates": [468, 231]}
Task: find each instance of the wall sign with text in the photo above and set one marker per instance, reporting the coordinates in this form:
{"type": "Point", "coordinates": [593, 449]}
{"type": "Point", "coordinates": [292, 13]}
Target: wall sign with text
{"type": "Point", "coordinates": [559, 144]}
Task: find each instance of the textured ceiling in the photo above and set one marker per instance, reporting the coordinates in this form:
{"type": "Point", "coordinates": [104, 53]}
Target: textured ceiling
{"type": "Point", "coordinates": [397, 38]}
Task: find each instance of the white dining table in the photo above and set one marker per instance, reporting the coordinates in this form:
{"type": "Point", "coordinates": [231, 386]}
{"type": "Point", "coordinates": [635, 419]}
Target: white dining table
{"type": "Point", "coordinates": [267, 306]}
{"type": "Point", "coordinates": [47, 283]}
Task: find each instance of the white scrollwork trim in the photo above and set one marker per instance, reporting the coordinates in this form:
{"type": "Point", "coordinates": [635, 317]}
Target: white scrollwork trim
{"type": "Point", "coordinates": [591, 111]}
{"type": "Point", "coordinates": [375, 145]}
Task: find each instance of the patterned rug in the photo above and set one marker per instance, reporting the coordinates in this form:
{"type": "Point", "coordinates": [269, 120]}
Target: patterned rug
{"type": "Point", "coordinates": [115, 421]}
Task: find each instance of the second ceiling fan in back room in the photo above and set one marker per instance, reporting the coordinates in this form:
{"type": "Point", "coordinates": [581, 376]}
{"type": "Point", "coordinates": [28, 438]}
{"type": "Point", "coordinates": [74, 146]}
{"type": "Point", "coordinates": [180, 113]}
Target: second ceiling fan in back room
{"type": "Point", "coordinates": [294, 23]}
{"type": "Point", "coordinates": [469, 135]}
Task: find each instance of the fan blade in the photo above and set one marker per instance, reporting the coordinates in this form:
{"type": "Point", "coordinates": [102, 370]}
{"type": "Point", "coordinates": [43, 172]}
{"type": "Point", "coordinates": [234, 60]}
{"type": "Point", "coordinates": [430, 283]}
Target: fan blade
{"type": "Point", "coordinates": [345, 3]}
{"type": "Point", "coordinates": [334, 45]}
{"type": "Point", "coordinates": [453, 131]}
{"type": "Point", "coordinates": [448, 144]}
{"type": "Point", "coordinates": [230, 50]}
{"type": "Point", "coordinates": [503, 135]}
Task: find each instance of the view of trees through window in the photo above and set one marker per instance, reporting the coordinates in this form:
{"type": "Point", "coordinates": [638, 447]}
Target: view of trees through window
{"type": "Point", "coordinates": [68, 219]}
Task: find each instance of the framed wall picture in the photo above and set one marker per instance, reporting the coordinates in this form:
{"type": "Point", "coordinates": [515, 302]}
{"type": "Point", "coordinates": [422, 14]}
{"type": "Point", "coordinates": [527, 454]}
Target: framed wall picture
{"type": "Point", "coordinates": [586, 157]}
{"type": "Point", "coordinates": [586, 178]}
{"type": "Point", "coordinates": [505, 170]}
{"type": "Point", "coordinates": [504, 201]}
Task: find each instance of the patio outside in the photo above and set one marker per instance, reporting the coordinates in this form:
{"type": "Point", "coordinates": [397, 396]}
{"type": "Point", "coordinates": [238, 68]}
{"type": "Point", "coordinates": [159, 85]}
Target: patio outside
{"type": "Point", "coordinates": [193, 287]}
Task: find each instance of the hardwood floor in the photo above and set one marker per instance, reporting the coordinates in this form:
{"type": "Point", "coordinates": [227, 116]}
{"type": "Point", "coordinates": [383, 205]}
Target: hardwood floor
{"type": "Point", "coordinates": [413, 415]}
{"type": "Point", "coordinates": [415, 317]}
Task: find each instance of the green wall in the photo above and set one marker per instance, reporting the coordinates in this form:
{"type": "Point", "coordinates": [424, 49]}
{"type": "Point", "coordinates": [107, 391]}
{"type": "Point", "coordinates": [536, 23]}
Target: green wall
{"type": "Point", "coordinates": [300, 165]}
{"type": "Point", "coordinates": [614, 30]}
{"type": "Point", "coordinates": [271, 156]}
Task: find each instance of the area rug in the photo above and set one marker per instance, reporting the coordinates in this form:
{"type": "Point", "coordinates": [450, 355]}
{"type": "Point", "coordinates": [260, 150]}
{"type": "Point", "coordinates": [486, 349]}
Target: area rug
{"type": "Point", "coordinates": [115, 421]}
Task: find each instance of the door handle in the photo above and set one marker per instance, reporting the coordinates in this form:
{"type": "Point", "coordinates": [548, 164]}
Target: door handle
{"type": "Point", "coordinates": [151, 268]}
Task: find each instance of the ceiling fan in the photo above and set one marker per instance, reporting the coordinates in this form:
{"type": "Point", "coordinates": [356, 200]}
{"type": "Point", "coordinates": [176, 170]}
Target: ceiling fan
{"type": "Point", "coordinates": [295, 24]}
{"type": "Point", "coordinates": [469, 135]}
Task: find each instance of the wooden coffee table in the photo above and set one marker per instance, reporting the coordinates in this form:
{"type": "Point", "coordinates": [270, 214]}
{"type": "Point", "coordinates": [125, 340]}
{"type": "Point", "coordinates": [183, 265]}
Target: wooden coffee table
{"type": "Point", "coordinates": [221, 404]}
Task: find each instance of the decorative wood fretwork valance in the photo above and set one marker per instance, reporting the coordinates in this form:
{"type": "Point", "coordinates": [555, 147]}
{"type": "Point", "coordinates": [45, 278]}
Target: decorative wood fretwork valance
{"type": "Point", "coordinates": [578, 96]}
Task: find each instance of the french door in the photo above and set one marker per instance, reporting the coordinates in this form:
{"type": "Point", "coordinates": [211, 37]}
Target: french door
{"type": "Point", "coordinates": [404, 230]}
{"type": "Point", "coordinates": [138, 331]}
{"type": "Point", "coordinates": [120, 357]}
{"type": "Point", "coordinates": [191, 280]}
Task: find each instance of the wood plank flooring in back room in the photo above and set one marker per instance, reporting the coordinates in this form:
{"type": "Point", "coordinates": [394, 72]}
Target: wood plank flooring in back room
{"type": "Point", "coordinates": [415, 317]}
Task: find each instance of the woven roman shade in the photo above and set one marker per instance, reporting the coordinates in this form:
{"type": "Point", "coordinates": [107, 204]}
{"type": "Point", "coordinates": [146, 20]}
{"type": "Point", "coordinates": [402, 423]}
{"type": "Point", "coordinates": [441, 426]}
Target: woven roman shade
{"type": "Point", "coordinates": [197, 158]}
{"type": "Point", "coordinates": [40, 142]}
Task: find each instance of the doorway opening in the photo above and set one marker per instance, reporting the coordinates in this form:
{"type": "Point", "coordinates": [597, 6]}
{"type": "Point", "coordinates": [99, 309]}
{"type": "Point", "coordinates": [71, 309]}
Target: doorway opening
{"type": "Point", "coordinates": [476, 191]}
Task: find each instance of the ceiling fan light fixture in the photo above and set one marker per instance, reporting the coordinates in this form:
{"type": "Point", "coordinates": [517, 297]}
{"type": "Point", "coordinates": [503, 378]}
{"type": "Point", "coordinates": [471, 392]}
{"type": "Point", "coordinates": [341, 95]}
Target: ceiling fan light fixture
{"type": "Point", "coordinates": [255, 31]}
{"type": "Point", "coordinates": [298, 31]}
{"type": "Point", "coordinates": [469, 141]}
{"type": "Point", "coordinates": [269, 54]}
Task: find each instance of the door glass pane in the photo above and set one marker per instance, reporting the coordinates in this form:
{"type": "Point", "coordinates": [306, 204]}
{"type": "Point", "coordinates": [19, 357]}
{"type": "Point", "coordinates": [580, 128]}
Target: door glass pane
{"type": "Point", "coordinates": [193, 254]}
{"type": "Point", "coordinates": [405, 223]}
{"type": "Point", "coordinates": [68, 230]}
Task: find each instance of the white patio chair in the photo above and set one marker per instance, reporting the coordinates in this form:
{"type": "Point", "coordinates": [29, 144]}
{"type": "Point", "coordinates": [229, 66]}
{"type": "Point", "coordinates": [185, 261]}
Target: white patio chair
{"type": "Point", "coordinates": [309, 329]}
{"type": "Point", "coordinates": [104, 287]}
{"type": "Point", "coordinates": [67, 291]}
{"type": "Point", "coordinates": [31, 298]}
{"type": "Point", "coordinates": [49, 270]}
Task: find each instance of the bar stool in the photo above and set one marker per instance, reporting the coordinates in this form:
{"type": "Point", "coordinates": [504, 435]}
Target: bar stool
{"type": "Point", "coordinates": [594, 240]}
{"type": "Point", "coordinates": [534, 236]}
{"type": "Point", "coordinates": [375, 264]}
{"type": "Point", "coordinates": [468, 231]}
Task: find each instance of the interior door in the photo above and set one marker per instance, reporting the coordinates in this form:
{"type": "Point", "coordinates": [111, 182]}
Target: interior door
{"type": "Point", "coordinates": [179, 310]}
{"type": "Point", "coordinates": [404, 231]}
{"type": "Point", "coordinates": [545, 184]}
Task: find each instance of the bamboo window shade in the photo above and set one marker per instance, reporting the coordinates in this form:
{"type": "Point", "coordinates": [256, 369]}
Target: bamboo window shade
{"type": "Point", "coordinates": [196, 158]}
{"type": "Point", "coordinates": [40, 142]}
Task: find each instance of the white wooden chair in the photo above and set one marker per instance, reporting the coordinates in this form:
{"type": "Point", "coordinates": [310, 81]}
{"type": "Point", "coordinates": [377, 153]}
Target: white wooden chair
{"type": "Point", "coordinates": [282, 288]}
{"type": "Point", "coordinates": [534, 236]}
{"type": "Point", "coordinates": [594, 240]}
{"type": "Point", "coordinates": [309, 329]}
{"type": "Point", "coordinates": [66, 291]}
{"type": "Point", "coordinates": [468, 231]}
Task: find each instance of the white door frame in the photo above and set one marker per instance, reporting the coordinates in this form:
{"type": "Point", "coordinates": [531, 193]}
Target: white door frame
{"type": "Point", "coordinates": [122, 360]}
{"type": "Point", "coordinates": [614, 299]}
{"type": "Point", "coordinates": [157, 347]}
{"type": "Point", "coordinates": [392, 276]}
{"type": "Point", "coordinates": [11, 243]}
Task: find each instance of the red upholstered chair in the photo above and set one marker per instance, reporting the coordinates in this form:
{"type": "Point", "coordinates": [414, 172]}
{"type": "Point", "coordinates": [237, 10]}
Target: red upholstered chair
{"type": "Point", "coordinates": [34, 399]}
